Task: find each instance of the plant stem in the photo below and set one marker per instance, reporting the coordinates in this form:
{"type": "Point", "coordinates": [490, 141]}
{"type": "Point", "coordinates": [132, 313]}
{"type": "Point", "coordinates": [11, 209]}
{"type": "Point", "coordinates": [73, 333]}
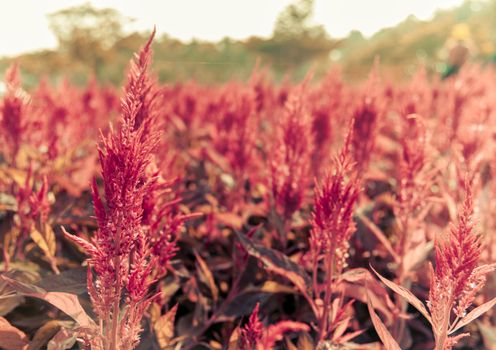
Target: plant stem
{"type": "Point", "coordinates": [329, 266]}
{"type": "Point", "coordinates": [117, 294]}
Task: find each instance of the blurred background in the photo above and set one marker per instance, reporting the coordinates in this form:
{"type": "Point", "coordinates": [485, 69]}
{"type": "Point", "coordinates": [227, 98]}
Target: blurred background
{"type": "Point", "coordinates": [218, 40]}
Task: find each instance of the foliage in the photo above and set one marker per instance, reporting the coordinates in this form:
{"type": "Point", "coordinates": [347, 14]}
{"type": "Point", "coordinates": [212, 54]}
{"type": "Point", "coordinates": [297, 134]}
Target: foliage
{"type": "Point", "coordinates": [248, 215]}
{"type": "Point", "coordinates": [86, 33]}
{"type": "Point", "coordinates": [92, 41]}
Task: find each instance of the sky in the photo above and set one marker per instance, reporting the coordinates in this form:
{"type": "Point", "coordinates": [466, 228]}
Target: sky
{"type": "Point", "coordinates": [24, 25]}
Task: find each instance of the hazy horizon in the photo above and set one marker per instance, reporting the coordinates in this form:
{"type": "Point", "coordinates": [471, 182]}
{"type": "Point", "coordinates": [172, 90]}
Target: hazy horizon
{"type": "Point", "coordinates": [24, 27]}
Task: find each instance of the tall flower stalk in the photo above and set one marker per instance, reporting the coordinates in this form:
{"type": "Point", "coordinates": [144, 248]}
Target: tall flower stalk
{"type": "Point", "coordinates": [255, 336]}
{"type": "Point", "coordinates": [455, 282]}
{"type": "Point", "coordinates": [457, 277]}
{"type": "Point", "coordinates": [14, 122]}
{"type": "Point", "coordinates": [415, 178]}
{"type": "Point", "coordinates": [289, 166]}
{"type": "Point", "coordinates": [121, 251]}
{"type": "Point", "coordinates": [332, 227]}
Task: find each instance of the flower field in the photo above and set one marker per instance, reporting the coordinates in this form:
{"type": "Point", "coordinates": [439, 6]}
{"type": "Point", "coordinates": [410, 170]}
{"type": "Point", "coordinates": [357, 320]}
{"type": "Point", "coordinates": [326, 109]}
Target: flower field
{"type": "Point", "coordinates": [250, 215]}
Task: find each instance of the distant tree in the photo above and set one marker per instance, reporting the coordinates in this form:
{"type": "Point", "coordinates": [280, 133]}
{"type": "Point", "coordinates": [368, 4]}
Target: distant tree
{"type": "Point", "coordinates": [294, 21]}
{"type": "Point", "coordinates": [86, 33]}
{"type": "Point", "coordinates": [295, 39]}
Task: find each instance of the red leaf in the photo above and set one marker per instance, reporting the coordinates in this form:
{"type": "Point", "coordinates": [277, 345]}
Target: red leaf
{"type": "Point", "coordinates": [475, 313]}
{"type": "Point", "coordinates": [65, 302]}
{"type": "Point", "coordinates": [405, 293]}
{"type": "Point", "coordinates": [12, 338]}
{"type": "Point", "coordinates": [164, 327]}
{"type": "Point", "coordinates": [377, 232]}
{"type": "Point", "coordinates": [278, 263]}
{"type": "Point", "coordinates": [64, 339]}
{"type": "Point", "coordinates": [207, 276]}
{"type": "Point", "coordinates": [383, 333]}
{"type": "Point", "coordinates": [276, 331]}
{"type": "Point", "coordinates": [360, 284]}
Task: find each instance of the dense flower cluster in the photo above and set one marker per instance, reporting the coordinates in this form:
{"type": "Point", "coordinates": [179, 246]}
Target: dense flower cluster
{"type": "Point", "coordinates": [120, 252]}
{"type": "Point", "coordinates": [248, 215]}
{"type": "Point", "coordinates": [289, 166]}
{"type": "Point", "coordinates": [457, 277]}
